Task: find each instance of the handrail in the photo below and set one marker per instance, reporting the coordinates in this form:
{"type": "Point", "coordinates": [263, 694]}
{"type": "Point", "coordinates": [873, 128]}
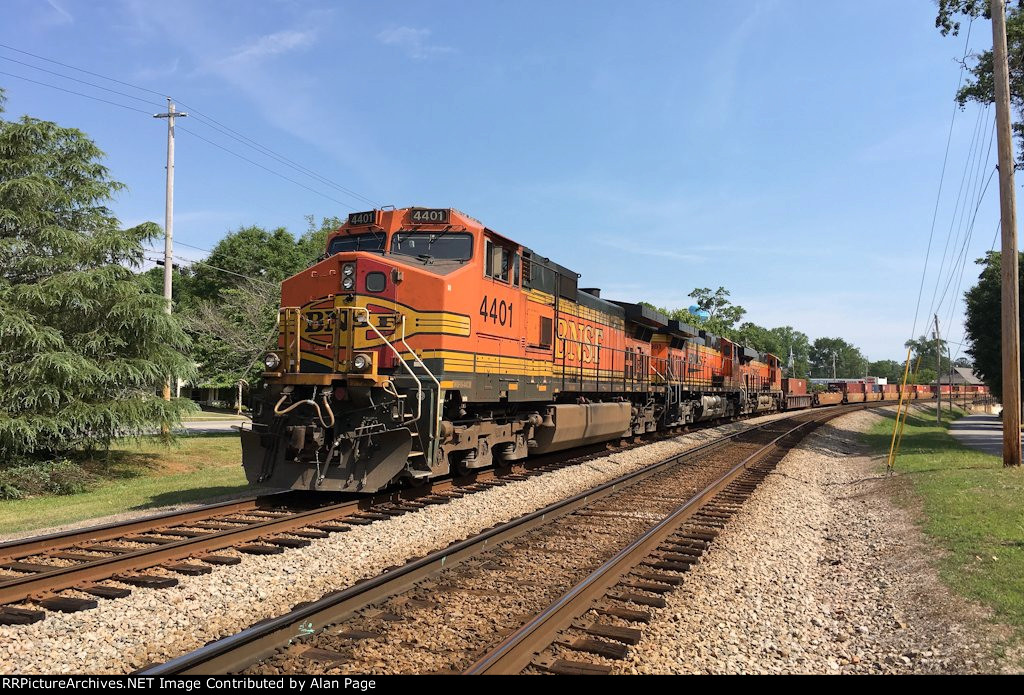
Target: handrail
{"type": "Point", "coordinates": [437, 405]}
{"type": "Point", "coordinates": [419, 386]}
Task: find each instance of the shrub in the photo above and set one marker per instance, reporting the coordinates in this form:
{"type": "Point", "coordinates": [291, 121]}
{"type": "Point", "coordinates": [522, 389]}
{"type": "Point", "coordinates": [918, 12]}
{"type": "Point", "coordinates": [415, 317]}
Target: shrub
{"type": "Point", "coordinates": [60, 477]}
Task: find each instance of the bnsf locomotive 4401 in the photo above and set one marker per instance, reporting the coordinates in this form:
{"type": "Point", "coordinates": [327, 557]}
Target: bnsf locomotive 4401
{"type": "Point", "coordinates": [424, 343]}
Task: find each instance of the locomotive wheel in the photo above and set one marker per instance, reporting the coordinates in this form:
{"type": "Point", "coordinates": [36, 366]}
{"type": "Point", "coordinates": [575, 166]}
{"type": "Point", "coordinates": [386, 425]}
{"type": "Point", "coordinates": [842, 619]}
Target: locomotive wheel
{"type": "Point", "coordinates": [412, 481]}
{"type": "Point", "coordinates": [496, 457]}
{"type": "Point", "coordinates": [461, 462]}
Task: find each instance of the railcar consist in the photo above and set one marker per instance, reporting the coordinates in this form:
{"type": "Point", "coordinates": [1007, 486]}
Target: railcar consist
{"type": "Point", "coordinates": [424, 343]}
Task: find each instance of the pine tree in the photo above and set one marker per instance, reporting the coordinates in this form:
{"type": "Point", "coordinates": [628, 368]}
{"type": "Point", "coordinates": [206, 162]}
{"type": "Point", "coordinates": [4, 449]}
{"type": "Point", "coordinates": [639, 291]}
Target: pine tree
{"type": "Point", "coordinates": [84, 345]}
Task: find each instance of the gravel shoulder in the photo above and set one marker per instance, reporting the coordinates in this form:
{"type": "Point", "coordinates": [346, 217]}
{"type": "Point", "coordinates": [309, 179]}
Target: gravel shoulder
{"type": "Point", "coordinates": [821, 572]}
{"type": "Point", "coordinates": [155, 625]}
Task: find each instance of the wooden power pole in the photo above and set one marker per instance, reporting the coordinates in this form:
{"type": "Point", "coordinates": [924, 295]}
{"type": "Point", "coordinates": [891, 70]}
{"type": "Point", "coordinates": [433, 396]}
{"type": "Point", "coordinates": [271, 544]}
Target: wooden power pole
{"type": "Point", "coordinates": [169, 215]}
{"type": "Point", "coordinates": [938, 374]}
{"type": "Point", "coordinates": [1008, 217]}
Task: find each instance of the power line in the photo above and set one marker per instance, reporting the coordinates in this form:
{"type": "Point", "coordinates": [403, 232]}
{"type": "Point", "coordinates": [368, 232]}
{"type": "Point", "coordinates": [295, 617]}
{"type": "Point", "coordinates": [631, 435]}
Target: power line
{"type": "Point", "coordinates": [193, 261]}
{"type": "Point", "coordinates": [962, 259]}
{"type": "Point", "coordinates": [960, 210]}
{"type": "Point", "coordinates": [87, 72]}
{"type": "Point", "coordinates": [267, 169]}
{"type": "Point", "coordinates": [71, 91]}
{"type": "Point", "coordinates": [209, 121]}
{"type": "Point", "coordinates": [942, 176]}
{"type": "Point", "coordinates": [967, 227]}
{"type": "Point", "coordinates": [194, 134]}
{"type": "Point", "coordinates": [86, 82]}
{"type": "Point", "coordinates": [262, 149]}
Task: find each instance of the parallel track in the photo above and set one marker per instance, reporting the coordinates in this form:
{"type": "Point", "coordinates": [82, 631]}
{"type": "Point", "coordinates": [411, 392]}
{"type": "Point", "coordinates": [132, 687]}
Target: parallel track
{"type": "Point", "coordinates": [554, 640]}
{"type": "Point", "coordinates": [107, 561]}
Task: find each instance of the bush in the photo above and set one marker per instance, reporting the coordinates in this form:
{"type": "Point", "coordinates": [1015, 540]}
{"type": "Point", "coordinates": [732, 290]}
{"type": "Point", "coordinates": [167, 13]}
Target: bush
{"type": "Point", "coordinates": [60, 477]}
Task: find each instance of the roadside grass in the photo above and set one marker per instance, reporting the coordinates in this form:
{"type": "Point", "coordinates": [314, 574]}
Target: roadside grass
{"type": "Point", "coordinates": [139, 474]}
{"type": "Point", "coordinates": [972, 507]}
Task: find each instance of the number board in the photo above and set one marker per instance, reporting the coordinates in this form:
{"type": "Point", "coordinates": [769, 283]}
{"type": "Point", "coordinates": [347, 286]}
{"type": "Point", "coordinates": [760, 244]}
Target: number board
{"type": "Point", "coordinates": [429, 216]}
{"type": "Point", "coordinates": [369, 217]}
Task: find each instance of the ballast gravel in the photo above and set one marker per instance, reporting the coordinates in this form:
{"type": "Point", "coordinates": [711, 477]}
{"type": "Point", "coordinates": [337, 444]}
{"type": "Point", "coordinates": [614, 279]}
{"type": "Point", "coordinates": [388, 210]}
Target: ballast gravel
{"type": "Point", "coordinates": [819, 573]}
{"type": "Point", "coordinates": [154, 625]}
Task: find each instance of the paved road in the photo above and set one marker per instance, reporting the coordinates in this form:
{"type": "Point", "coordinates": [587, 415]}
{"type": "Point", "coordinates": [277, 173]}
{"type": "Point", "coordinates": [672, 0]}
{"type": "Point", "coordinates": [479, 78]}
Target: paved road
{"type": "Point", "coordinates": [212, 426]}
{"type": "Point", "coordinates": [984, 432]}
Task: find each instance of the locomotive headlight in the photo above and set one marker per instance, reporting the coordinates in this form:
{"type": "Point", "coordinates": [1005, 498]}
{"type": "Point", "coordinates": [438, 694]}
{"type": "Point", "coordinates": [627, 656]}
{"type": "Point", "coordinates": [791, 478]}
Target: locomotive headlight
{"type": "Point", "coordinates": [361, 362]}
{"type": "Point", "coordinates": [348, 269]}
{"type": "Point", "coordinates": [348, 282]}
{"type": "Point", "coordinates": [271, 361]}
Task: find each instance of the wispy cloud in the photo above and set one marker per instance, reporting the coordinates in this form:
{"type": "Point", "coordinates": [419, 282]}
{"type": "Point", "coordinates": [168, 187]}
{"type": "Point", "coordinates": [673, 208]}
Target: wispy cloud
{"type": "Point", "coordinates": [157, 72]}
{"type": "Point", "coordinates": [270, 45]}
{"type": "Point", "coordinates": [640, 249]}
{"type": "Point", "coordinates": [62, 16]}
{"type": "Point", "coordinates": [415, 42]}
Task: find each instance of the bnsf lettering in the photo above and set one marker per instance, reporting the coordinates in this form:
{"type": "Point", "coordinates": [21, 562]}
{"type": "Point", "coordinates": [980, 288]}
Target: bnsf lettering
{"type": "Point", "coordinates": [578, 342]}
{"type": "Point", "coordinates": [387, 321]}
{"type": "Point", "coordinates": [320, 321]}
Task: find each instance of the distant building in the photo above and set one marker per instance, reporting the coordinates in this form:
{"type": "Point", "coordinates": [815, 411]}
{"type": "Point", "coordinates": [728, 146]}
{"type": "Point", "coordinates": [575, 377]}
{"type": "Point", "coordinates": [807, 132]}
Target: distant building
{"type": "Point", "coordinates": [961, 375]}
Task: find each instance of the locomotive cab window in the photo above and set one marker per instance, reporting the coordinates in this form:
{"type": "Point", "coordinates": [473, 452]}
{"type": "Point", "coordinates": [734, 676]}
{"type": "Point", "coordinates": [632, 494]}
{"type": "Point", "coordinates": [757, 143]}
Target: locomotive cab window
{"type": "Point", "coordinates": [374, 243]}
{"type": "Point", "coordinates": [501, 263]}
{"type": "Point", "coordinates": [432, 246]}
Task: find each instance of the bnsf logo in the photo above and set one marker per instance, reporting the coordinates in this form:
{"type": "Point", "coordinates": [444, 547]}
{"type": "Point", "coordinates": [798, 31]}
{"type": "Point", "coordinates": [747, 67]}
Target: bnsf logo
{"type": "Point", "coordinates": [580, 342]}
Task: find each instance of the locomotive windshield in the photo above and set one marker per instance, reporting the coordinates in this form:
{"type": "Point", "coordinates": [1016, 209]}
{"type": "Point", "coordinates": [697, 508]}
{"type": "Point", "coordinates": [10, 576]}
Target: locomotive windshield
{"type": "Point", "coordinates": [433, 245]}
{"type": "Point", "coordinates": [373, 243]}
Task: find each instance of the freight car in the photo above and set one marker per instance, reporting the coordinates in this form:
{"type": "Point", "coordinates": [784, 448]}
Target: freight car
{"type": "Point", "coordinates": [424, 343]}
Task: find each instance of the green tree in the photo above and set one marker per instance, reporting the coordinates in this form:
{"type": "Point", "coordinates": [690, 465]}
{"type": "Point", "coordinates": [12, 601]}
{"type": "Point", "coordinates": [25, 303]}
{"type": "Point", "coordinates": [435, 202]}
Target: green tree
{"type": "Point", "coordinates": [983, 324]}
{"type": "Point", "coordinates": [230, 299]}
{"type": "Point", "coordinates": [980, 86]}
{"type": "Point", "coordinates": [887, 369]}
{"type": "Point", "coordinates": [848, 360]}
{"type": "Point", "coordinates": [925, 375]}
{"type": "Point", "coordinates": [928, 350]}
{"type": "Point", "coordinates": [721, 311]}
{"type": "Point", "coordinates": [84, 345]}
{"type": "Point", "coordinates": [795, 343]}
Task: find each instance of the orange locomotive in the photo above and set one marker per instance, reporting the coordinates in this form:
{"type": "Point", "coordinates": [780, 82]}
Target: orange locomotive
{"type": "Point", "coordinates": [424, 343]}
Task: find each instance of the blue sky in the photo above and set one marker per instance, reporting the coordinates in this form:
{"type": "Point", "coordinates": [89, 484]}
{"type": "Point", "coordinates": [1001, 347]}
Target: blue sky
{"type": "Point", "coordinates": [788, 150]}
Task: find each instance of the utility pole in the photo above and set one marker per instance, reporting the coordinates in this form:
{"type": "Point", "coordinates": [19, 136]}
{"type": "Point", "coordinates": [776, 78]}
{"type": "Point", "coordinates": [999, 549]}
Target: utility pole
{"type": "Point", "coordinates": [833, 365]}
{"type": "Point", "coordinates": [938, 374]}
{"type": "Point", "coordinates": [1008, 217]}
{"type": "Point", "coordinates": [169, 215]}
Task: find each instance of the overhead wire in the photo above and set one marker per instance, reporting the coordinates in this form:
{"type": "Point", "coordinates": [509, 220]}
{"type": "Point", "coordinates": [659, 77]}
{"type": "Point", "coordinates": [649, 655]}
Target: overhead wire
{"type": "Point", "coordinates": [71, 91]}
{"type": "Point", "coordinates": [85, 82]}
{"type": "Point", "coordinates": [201, 118]}
{"type": "Point", "coordinates": [942, 177]}
{"type": "Point", "coordinates": [961, 204]}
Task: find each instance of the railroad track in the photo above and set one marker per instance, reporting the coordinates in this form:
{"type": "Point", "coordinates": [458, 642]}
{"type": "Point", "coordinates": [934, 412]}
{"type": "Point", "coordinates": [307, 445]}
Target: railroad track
{"type": "Point", "coordinates": [69, 571]}
{"type": "Point", "coordinates": [572, 636]}
{"type": "Point", "coordinates": [565, 565]}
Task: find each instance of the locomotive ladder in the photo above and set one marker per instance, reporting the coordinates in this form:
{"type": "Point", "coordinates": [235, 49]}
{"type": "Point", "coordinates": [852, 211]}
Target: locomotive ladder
{"type": "Point", "coordinates": [436, 425]}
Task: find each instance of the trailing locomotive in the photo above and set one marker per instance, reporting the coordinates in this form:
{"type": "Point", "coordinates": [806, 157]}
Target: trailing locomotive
{"type": "Point", "coordinates": [424, 343]}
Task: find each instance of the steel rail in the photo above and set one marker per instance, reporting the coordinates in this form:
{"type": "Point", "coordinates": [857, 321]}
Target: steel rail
{"type": "Point", "coordinates": [33, 545]}
{"type": "Point", "coordinates": [235, 652]}
{"type": "Point", "coordinates": [44, 584]}
{"type": "Point", "coordinates": [40, 584]}
{"type": "Point", "coordinates": [518, 650]}
{"type": "Point", "coordinates": [17, 548]}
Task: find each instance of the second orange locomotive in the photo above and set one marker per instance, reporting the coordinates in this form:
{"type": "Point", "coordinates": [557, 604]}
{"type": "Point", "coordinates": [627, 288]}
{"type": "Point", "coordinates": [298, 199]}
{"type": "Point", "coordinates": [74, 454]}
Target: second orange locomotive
{"type": "Point", "coordinates": [424, 343]}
